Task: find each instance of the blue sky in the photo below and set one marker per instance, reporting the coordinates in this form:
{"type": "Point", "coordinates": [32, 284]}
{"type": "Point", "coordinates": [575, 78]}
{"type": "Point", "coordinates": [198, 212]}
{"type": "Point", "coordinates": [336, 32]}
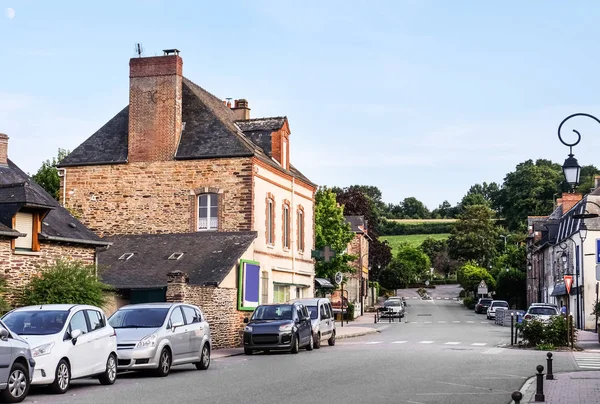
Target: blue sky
{"type": "Point", "coordinates": [420, 98]}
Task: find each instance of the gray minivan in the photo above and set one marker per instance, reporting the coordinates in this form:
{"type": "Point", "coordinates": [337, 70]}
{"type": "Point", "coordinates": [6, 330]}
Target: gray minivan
{"type": "Point", "coordinates": [322, 319]}
{"type": "Point", "coordinates": [17, 367]}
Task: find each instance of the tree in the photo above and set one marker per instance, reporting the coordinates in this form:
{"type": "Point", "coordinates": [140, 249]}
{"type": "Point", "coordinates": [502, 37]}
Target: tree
{"type": "Point", "coordinates": [408, 266]}
{"type": "Point", "coordinates": [331, 230]}
{"type": "Point", "coordinates": [586, 179]}
{"type": "Point", "coordinates": [64, 281]}
{"type": "Point", "coordinates": [444, 211]}
{"type": "Point", "coordinates": [474, 236]}
{"type": "Point", "coordinates": [470, 275]}
{"type": "Point", "coordinates": [47, 175]}
{"type": "Point", "coordinates": [380, 255]}
{"type": "Point", "coordinates": [431, 247]}
{"type": "Point", "coordinates": [444, 264]}
{"type": "Point", "coordinates": [355, 203]}
{"type": "Point", "coordinates": [511, 286]}
{"type": "Point", "coordinates": [412, 208]}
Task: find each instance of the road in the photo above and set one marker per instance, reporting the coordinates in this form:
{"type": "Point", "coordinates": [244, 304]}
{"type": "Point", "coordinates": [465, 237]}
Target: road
{"type": "Point", "coordinates": [442, 354]}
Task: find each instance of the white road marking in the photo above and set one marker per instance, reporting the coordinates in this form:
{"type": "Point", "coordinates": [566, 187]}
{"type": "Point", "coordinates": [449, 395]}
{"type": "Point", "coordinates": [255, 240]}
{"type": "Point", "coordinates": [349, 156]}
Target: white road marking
{"type": "Point", "coordinates": [439, 298]}
{"type": "Point", "coordinates": [470, 322]}
{"type": "Point", "coordinates": [456, 322]}
{"type": "Point", "coordinates": [492, 351]}
{"type": "Point", "coordinates": [441, 322]}
{"type": "Point", "coordinates": [452, 343]}
{"type": "Point", "coordinates": [587, 360]}
{"type": "Point", "coordinates": [479, 344]}
{"type": "Point", "coordinates": [446, 298]}
{"type": "Point", "coordinates": [399, 342]}
{"type": "Point", "coordinates": [374, 342]}
{"type": "Point", "coordinates": [484, 322]}
{"type": "Point", "coordinates": [426, 342]}
{"type": "Point", "coordinates": [428, 322]}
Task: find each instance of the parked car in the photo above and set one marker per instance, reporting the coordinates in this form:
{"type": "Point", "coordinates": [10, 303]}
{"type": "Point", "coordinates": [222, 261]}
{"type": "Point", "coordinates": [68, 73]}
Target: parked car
{"type": "Point", "coordinates": [543, 313]}
{"type": "Point", "coordinates": [16, 375]}
{"type": "Point", "coordinates": [321, 317]}
{"type": "Point", "coordinates": [491, 311]}
{"type": "Point", "coordinates": [160, 335]}
{"type": "Point", "coordinates": [69, 341]}
{"type": "Point", "coordinates": [393, 308]}
{"type": "Point", "coordinates": [285, 326]}
{"type": "Point", "coordinates": [482, 305]}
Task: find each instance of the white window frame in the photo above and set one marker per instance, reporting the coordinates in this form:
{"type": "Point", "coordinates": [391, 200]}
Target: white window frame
{"type": "Point", "coordinates": [300, 230]}
{"type": "Point", "coordinates": [270, 224]}
{"type": "Point", "coordinates": [286, 226]}
{"type": "Point", "coordinates": [212, 223]}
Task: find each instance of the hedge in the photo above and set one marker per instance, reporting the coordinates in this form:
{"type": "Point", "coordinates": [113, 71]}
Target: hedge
{"type": "Point", "coordinates": [391, 228]}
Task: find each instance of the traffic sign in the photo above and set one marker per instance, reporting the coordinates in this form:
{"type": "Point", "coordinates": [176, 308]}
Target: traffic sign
{"type": "Point", "coordinates": [568, 283]}
{"type": "Point", "coordinates": [338, 278]}
{"type": "Point", "coordinates": [482, 288]}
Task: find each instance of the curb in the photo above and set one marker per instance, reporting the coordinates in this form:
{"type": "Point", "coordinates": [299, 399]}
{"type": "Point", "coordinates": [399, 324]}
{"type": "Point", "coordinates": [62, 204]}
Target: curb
{"type": "Point", "coordinates": [525, 391]}
{"type": "Point", "coordinates": [357, 334]}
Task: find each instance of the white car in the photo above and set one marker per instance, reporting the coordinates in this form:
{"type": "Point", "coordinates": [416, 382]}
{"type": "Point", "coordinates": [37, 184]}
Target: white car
{"type": "Point", "coordinates": [541, 312]}
{"type": "Point", "coordinates": [491, 311]}
{"type": "Point", "coordinates": [68, 341]}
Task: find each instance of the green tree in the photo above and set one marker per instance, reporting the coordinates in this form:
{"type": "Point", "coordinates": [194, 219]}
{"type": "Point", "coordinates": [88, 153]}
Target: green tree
{"type": "Point", "coordinates": [65, 281]}
{"type": "Point", "coordinates": [412, 208]}
{"type": "Point", "coordinates": [586, 179]}
{"type": "Point", "coordinates": [444, 211]}
{"type": "Point", "coordinates": [47, 175]}
{"type": "Point", "coordinates": [511, 286]}
{"type": "Point", "coordinates": [408, 266]}
{"type": "Point", "coordinates": [331, 230]}
{"type": "Point", "coordinates": [470, 275]}
{"type": "Point", "coordinates": [474, 237]}
{"type": "Point", "coordinates": [431, 247]}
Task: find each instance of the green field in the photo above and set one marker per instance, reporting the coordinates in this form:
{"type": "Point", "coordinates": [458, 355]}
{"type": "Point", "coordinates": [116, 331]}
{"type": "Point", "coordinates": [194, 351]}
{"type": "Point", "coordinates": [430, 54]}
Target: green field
{"type": "Point", "coordinates": [413, 239]}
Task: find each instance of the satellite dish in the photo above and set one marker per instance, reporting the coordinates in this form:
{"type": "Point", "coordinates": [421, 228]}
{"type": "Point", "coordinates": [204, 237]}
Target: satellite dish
{"type": "Point", "coordinates": [338, 278]}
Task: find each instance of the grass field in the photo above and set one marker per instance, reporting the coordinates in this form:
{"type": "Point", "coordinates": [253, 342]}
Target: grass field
{"type": "Point", "coordinates": [413, 239]}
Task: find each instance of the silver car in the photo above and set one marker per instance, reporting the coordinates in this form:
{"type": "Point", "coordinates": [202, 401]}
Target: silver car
{"type": "Point", "coordinates": [16, 366]}
{"type": "Point", "coordinates": [160, 335]}
{"type": "Point", "coordinates": [322, 320]}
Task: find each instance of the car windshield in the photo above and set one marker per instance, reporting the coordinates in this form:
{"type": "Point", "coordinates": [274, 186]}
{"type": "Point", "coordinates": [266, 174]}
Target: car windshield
{"type": "Point", "coordinates": [500, 304]}
{"type": "Point", "coordinates": [139, 318]}
{"type": "Point", "coordinates": [314, 313]}
{"type": "Point", "coordinates": [544, 311]}
{"type": "Point", "coordinates": [36, 322]}
{"type": "Point", "coordinates": [392, 303]}
{"type": "Point", "coordinates": [485, 301]}
{"type": "Point", "coordinates": [275, 312]}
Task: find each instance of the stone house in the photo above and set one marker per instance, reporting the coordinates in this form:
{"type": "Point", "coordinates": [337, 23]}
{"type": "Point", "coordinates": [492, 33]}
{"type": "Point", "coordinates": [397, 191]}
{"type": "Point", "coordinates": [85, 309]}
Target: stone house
{"type": "Point", "coordinates": [358, 282]}
{"type": "Point", "coordinates": [34, 228]}
{"type": "Point", "coordinates": [178, 168]}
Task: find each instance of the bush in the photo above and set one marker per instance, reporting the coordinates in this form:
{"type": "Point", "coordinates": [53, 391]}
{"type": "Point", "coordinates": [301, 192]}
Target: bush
{"type": "Point", "coordinates": [462, 293]}
{"type": "Point", "coordinates": [350, 312]}
{"type": "Point", "coordinates": [469, 302]}
{"type": "Point", "coordinates": [552, 332]}
{"type": "Point", "coordinates": [392, 228]}
{"type": "Point", "coordinates": [71, 282]}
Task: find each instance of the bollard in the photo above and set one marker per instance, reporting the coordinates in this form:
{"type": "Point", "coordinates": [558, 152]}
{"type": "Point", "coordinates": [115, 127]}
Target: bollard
{"type": "Point", "coordinates": [539, 394]}
{"type": "Point", "coordinates": [512, 328]}
{"type": "Point", "coordinates": [375, 317]}
{"type": "Point", "coordinates": [549, 375]}
{"type": "Point", "coordinates": [517, 396]}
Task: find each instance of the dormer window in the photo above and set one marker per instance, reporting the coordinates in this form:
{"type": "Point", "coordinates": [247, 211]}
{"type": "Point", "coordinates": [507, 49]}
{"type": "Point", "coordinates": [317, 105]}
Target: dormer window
{"type": "Point", "coordinates": [208, 210]}
{"type": "Point", "coordinates": [27, 223]}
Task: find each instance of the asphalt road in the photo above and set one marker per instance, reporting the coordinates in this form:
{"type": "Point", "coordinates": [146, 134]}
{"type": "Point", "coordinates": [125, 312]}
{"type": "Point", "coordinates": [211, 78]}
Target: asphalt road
{"type": "Point", "coordinates": [443, 354]}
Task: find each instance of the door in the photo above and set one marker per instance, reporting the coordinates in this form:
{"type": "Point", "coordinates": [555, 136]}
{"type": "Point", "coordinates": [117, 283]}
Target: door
{"type": "Point", "coordinates": [81, 355]}
{"type": "Point", "coordinates": [100, 339]}
{"type": "Point", "coordinates": [194, 330]}
{"type": "Point", "coordinates": [180, 341]}
{"type": "Point", "coordinates": [325, 323]}
{"type": "Point", "coordinates": [5, 357]}
{"type": "Point", "coordinates": [304, 328]}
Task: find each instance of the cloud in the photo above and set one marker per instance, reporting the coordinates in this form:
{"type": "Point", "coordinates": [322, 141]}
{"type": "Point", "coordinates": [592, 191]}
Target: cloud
{"type": "Point", "coordinates": [10, 13]}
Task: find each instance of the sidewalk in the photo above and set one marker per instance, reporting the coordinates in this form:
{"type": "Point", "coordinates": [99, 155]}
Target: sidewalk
{"type": "Point", "coordinates": [581, 387]}
{"type": "Point", "coordinates": [352, 329]}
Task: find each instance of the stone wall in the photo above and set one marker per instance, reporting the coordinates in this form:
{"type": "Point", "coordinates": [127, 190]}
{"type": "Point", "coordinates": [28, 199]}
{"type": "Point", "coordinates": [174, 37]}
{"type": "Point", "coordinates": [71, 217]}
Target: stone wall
{"type": "Point", "coordinates": [159, 197]}
{"type": "Point", "coordinates": [219, 305]}
{"type": "Point", "coordinates": [19, 268]}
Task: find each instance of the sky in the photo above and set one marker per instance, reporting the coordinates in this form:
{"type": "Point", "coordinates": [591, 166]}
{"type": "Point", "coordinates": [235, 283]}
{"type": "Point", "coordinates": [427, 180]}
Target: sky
{"type": "Point", "coordinates": [419, 98]}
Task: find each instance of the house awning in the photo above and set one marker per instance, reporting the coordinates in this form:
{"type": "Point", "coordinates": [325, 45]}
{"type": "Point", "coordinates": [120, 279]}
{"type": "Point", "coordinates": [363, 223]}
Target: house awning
{"type": "Point", "coordinates": [559, 289]}
{"type": "Point", "coordinates": [324, 283]}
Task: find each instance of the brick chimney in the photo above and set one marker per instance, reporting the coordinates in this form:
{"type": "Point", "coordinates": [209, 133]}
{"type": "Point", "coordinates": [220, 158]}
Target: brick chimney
{"type": "Point", "coordinates": [155, 107]}
{"type": "Point", "coordinates": [241, 110]}
{"type": "Point", "coordinates": [568, 201]}
{"type": "Point", "coordinates": [596, 181]}
{"type": "Point", "coordinates": [3, 149]}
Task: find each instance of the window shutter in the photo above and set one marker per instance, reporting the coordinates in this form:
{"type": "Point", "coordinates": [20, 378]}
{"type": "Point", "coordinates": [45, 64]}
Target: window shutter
{"type": "Point", "coordinates": [24, 224]}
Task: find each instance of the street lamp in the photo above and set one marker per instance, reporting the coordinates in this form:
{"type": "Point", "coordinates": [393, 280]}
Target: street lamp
{"type": "Point", "coordinates": [571, 168]}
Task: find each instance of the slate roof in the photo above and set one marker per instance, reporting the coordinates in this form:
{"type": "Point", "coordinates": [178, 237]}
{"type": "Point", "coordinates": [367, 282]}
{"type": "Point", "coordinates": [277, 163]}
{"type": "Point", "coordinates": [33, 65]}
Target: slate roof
{"type": "Point", "coordinates": [7, 231]}
{"type": "Point", "coordinates": [211, 131]}
{"type": "Point", "coordinates": [357, 223]}
{"type": "Point", "coordinates": [207, 257]}
{"type": "Point", "coordinates": [16, 188]}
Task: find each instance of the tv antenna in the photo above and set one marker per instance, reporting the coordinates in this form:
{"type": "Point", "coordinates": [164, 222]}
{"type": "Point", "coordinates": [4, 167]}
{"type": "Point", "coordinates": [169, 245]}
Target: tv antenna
{"type": "Point", "coordinates": [139, 49]}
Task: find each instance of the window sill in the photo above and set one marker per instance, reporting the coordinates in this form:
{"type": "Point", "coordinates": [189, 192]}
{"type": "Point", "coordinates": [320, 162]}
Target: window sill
{"type": "Point", "coordinates": [286, 249]}
{"type": "Point", "coordinates": [271, 246]}
{"type": "Point", "coordinates": [24, 252]}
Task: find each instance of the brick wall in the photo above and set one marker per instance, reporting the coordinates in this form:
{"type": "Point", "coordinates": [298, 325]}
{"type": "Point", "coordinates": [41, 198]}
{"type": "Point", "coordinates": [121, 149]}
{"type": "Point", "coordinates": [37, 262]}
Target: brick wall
{"type": "Point", "coordinates": [219, 305]}
{"type": "Point", "coordinates": [159, 197]}
{"type": "Point", "coordinates": [19, 269]}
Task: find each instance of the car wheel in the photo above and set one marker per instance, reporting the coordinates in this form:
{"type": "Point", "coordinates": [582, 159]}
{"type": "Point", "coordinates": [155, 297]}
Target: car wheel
{"type": "Point", "coordinates": [18, 385]}
{"type": "Point", "coordinates": [311, 342]}
{"type": "Point", "coordinates": [331, 341]}
{"type": "Point", "coordinates": [62, 378]}
{"type": "Point", "coordinates": [317, 342]}
{"type": "Point", "coordinates": [164, 363]}
{"type": "Point", "coordinates": [110, 374]}
{"type": "Point", "coordinates": [247, 351]}
{"type": "Point", "coordinates": [204, 358]}
{"type": "Point", "coordinates": [295, 344]}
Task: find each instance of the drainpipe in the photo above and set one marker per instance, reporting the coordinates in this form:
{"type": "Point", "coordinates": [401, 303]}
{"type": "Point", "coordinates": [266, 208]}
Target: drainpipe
{"type": "Point", "coordinates": [292, 227]}
{"type": "Point", "coordinates": [62, 173]}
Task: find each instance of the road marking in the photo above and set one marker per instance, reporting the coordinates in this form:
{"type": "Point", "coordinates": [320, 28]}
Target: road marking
{"type": "Point", "coordinates": [479, 343]}
{"type": "Point", "coordinates": [441, 322]}
{"type": "Point", "coordinates": [414, 297]}
{"type": "Point", "coordinates": [428, 322]}
{"type": "Point", "coordinates": [587, 360]}
{"type": "Point", "coordinates": [439, 298]}
{"type": "Point", "coordinates": [399, 342]}
{"type": "Point", "coordinates": [374, 342]}
{"type": "Point", "coordinates": [426, 342]}
{"type": "Point", "coordinates": [446, 298]}
{"type": "Point", "coordinates": [470, 322]}
{"type": "Point", "coordinates": [452, 343]}
{"type": "Point", "coordinates": [492, 351]}
{"type": "Point", "coordinates": [484, 322]}
{"type": "Point", "coordinates": [455, 322]}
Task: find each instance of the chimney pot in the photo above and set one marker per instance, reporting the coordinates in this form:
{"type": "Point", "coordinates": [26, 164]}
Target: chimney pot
{"type": "Point", "coordinates": [3, 149]}
{"type": "Point", "coordinates": [241, 110]}
{"type": "Point", "coordinates": [596, 181]}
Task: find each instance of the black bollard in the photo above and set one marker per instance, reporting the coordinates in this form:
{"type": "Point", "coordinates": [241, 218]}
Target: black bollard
{"type": "Point", "coordinates": [517, 396]}
{"type": "Point", "coordinates": [375, 317]}
{"type": "Point", "coordinates": [512, 325]}
{"type": "Point", "coordinates": [549, 375]}
{"type": "Point", "coordinates": [539, 394]}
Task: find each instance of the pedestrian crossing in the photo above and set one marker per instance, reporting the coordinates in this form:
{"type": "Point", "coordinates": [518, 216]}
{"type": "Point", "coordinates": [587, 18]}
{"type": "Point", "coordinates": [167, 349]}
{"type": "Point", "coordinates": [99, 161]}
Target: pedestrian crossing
{"type": "Point", "coordinates": [424, 342]}
{"type": "Point", "coordinates": [587, 361]}
{"type": "Point", "coordinates": [443, 322]}
{"type": "Point", "coordinates": [436, 298]}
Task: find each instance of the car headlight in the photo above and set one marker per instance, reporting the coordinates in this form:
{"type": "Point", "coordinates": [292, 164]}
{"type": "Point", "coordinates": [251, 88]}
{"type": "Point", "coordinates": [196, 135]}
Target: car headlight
{"type": "Point", "coordinates": [248, 328]}
{"type": "Point", "coordinates": [286, 327]}
{"type": "Point", "coordinates": [42, 350]}
{"type": "Point", "coordinates": [147, 342]}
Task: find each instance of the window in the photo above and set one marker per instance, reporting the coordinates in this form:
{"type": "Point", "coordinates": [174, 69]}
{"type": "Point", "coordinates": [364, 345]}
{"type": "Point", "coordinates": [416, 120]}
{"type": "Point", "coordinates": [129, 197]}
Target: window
{"type": "Point", "coordinates": [96, 320]}
{"type": "Point", "coordinates": [281, 293]}
{"type": "Point", "coordinates": [284, 155]}
{"type": "Point", "coordinates": [208, 218]}
{"type": "Point", "coordinates": [286, 226]}
{"type": "Point", "coordinates": [199, 315]}
{"type": "Point", "coordinates": [28, 224]}
{"type": "Point", "coordinates": [176, 316]}
{"type": "Point", "coordinates": [270, 222]}
{"type": "Point", "coordinates": [78, 322]}
{"type": "Point", "coordinates": [301, 230]}
{"type": "Point", "coordinates": [324, 314]}
{"type": "Point", "coordinates": [190, 315]}
{"type": "Point", "coordinates": [299, 312]}
{"type": "Point", "coordinates": [265, 287]}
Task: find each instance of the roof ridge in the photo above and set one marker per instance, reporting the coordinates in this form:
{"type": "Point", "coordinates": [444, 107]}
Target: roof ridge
{"type": "Point", "coordinates": [259, 119]}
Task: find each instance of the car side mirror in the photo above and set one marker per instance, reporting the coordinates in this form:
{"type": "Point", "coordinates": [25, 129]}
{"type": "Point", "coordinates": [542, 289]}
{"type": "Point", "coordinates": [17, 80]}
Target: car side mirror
{"type": "Point", "coordinates": [74, 335]}
{"type": "Point", "coordinates": [175, 325]}
{"type": "Point", "coordinates": [245, 320]}
{"type": "Point", "coordinates": [3, 334]}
